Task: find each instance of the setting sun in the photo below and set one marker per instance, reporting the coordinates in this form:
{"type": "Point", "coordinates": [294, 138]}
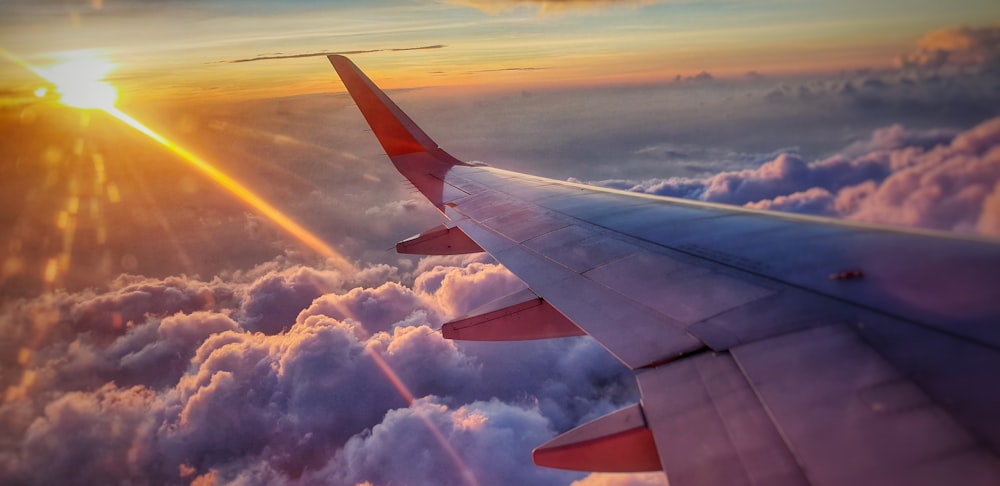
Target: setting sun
{"type": "Point", "coordinates": [80, 80]}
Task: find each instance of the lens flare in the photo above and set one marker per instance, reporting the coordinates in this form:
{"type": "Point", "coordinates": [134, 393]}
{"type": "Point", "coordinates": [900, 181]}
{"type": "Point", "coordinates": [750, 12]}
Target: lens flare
{"type": "Point", "coordinates": [240, 191]}
{"type": "Point", "coordinates": [80, 80]}
{"type": "Point", "coordinates": [407, 395]}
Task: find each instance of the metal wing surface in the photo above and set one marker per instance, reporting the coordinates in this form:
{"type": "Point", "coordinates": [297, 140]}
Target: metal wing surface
{"type": "Point", "coordinates": [769, 348]}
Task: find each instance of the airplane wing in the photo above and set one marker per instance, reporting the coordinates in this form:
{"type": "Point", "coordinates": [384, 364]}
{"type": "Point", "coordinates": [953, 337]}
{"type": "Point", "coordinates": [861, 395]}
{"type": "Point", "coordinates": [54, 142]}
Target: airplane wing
{"type": "Point", "coordinates": [769, 348]}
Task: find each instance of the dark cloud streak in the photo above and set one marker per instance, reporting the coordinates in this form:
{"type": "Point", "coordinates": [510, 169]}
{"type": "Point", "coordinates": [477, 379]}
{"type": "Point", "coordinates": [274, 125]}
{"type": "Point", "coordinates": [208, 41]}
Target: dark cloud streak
{"type": "Point", "coordinates": [329, 53]}
{"type": "Point", "coordinates": [510, 69]}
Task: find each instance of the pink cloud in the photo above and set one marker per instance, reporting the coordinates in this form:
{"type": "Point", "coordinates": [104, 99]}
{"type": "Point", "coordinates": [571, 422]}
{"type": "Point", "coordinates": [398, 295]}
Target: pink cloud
{"type": "Point", "coordinates": [477, 432]}
{"type": "Point", "coordinates": [956, 46]}
{"type": "Point", "coordinates": [107, 436]}
{"type": "Point", "coordinates": [815, 200]}
{"type": "Point", "coordinates": [273, 301]}
{"type": "Point", "coordinates": [457, 291]}
{"type": "Point", "coordinates": [927, 179]}
{"type": "Point", "coordinates": [193, 391]}
{"type": "Point", "coordinates": [377, 308]}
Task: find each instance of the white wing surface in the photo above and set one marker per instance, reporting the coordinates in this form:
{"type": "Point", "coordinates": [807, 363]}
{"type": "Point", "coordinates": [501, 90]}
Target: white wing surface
{"type": "Point", "coordinates": [769, 348]}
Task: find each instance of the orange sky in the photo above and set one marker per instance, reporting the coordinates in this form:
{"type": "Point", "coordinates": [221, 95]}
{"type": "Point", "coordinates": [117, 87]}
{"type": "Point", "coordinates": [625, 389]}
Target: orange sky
{"type": "Point", "coordinates": [184, 50]}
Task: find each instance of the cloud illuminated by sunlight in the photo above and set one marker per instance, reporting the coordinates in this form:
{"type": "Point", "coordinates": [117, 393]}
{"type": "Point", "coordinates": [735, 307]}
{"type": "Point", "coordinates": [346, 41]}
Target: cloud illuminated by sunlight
{"type": "Point", "coordinates": [80, 80]}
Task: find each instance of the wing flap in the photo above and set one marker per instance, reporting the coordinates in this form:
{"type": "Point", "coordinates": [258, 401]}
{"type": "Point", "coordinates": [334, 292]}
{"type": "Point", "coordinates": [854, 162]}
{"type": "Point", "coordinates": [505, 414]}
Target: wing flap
{"type": "Point", "coordinates": [439, 240]}
{"type": "Point", "coordinates": [617, 442]}
{"type": "Point", "coordinates": [522, 315]}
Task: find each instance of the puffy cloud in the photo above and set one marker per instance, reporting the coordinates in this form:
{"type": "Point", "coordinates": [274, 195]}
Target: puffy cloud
{"type": "Point", "coordinates": [930, 179]}
{"type": "Point", "coordinates": [131, 298]}
{"type": "Point", "coordinates": [814, 200]}
{"type": "Point", "coordinates": [273, 301]}
{"type": "Point", "coordinates": [159, 358]}
{"type": "Point", "coordinates": [785, 174]}
{"type": "Point", "coordinates": [951, 74]}
{"type": "Point", "coordinates": [956, 47]}
{"type": "Point", "coordinates": [292, 399]}
{"type": "Point", "coordinates": [475, 433]}
{"type": "Point", "coordinates": [105, 436]}
{"type": "Point", "coordinates": [346, 390]}
{"type": "Point", "coordinates": [379, 308]}
{"type": "Point", "coordinates": [458, 292]}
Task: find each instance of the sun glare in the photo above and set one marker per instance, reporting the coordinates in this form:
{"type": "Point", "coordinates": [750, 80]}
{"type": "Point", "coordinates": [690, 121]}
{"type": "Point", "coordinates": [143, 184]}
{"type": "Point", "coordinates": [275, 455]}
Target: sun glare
{"type": "Point", "coordinates": [80, 80]}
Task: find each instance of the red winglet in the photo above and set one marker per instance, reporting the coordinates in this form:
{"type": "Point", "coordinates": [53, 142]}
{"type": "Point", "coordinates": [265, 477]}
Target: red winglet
{"type": "Point", "coordinates": [395, 131]}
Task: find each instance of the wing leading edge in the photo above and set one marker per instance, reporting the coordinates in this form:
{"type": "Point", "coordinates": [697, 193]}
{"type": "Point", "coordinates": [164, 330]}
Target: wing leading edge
{"type": "Point", "coordinates": [768, 348]}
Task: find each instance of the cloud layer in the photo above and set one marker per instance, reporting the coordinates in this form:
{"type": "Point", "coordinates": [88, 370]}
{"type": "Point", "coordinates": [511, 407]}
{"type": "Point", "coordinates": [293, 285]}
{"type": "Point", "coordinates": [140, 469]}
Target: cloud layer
{"type": "Point", "coordinates": [294, 375]}
{"type": "Point", "coordinates": [936, 179]}
{"type": "Point", "coordinates": [275, 374]}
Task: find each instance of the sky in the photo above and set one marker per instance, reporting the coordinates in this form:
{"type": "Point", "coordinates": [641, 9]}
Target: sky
{"type": "Point", "coordinates": [162, 323]}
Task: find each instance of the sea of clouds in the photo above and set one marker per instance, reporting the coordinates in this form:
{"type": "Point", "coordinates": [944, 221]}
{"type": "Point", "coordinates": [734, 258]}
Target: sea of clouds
{"type": "Point", "coordinates": [274, 375]}
{"type": "Point", "coordinates": [290, 372]}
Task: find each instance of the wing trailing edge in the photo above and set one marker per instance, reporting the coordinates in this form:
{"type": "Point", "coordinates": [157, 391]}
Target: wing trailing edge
{"type": "Point", "coordinates": [439, 240]}
{"type": "Point", "coordinates": [520, 316]}
{"type": "Point", "coordinates": [617, 442]}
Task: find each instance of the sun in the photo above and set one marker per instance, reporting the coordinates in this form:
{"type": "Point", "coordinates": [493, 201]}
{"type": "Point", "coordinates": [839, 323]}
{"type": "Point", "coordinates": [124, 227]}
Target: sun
{"type": "Point", "coordinates": [79, 79]}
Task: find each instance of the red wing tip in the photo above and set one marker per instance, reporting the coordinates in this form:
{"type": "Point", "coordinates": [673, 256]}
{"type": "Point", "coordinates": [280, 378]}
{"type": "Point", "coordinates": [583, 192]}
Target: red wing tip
{"type": "Point", "coordinates": [338, 59]}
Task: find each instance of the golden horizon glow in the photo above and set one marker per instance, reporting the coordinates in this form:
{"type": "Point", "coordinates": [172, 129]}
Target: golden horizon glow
{"type": "Point", "coordinates": [80, 81]}
{"type": "Point", "coordinates": [305, 236]}
{"type": "Point", "coordinates": [94, 99]}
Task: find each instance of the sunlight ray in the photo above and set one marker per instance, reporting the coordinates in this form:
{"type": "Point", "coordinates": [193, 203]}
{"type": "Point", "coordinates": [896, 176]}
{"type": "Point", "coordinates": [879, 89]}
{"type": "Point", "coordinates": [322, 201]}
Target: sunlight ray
{"type": "Point", "coordinates": [240, 191]}
{"type": "Point", "coordinates": [99, 99]}
{"type": "Point", "coordinates": [84, 93]}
